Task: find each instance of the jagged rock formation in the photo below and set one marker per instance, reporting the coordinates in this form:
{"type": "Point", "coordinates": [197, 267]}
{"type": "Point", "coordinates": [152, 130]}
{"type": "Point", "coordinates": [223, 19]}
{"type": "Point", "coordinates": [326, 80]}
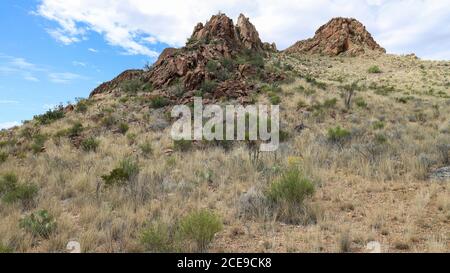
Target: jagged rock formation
{"type": "Point", "coordinates": [210, 55]}
{"type": "Point", "coordinates": [339, 36]}
{"type": "Point", "coordinates": [111, 85]}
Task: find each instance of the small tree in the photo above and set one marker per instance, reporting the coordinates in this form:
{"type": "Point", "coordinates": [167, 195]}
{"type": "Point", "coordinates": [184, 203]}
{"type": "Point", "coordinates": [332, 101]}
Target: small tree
{"type": "Point", "coordinates": [348, 92]}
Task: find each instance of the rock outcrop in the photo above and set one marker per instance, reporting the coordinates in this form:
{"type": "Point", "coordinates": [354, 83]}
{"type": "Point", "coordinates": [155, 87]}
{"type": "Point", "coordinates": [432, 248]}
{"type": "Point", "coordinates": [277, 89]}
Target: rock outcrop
{"type": "Point", "coordinates": [210, 57]}
{"type": "Point", "coordinates": [339, 36]}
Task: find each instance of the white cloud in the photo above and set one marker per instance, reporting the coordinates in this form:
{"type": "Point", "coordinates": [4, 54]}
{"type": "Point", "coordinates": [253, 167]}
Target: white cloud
{"type": "Point", "coordinates": [77, 63]}
{"type": "Point", "coordinates": [134, 24]}
{"type": "Point", "coordinates": [9, 124]}
{"type": "Point", "coordinates": [65, 77]}
{"type": "Point", "coordinates": [93, 50]}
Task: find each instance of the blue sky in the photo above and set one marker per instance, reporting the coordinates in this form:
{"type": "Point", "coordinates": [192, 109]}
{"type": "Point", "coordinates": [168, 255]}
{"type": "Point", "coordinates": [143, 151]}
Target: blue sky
{"type": "Point", "coordinates": [53, 51]}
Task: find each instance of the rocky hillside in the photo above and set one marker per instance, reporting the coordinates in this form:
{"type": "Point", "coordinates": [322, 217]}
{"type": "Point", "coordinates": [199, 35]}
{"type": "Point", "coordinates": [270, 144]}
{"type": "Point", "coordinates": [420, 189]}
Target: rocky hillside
{"type": "Point", "coordinates": [339, 36]}
{"type": "Point", "coordinates": [364, 156]}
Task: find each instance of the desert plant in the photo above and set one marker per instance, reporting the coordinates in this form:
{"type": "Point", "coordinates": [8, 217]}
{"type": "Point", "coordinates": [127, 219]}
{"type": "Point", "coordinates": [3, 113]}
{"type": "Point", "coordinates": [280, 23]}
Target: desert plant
{"type": "Point", "coordinates": [374, 69]}
{"type": "Point", "coordinates": [208, 86]}
{"type": "Point", "coordinates": [132, 86]}
{"type": "Point", "coordinates": [90, 144]}
{"type": "Point", "coordinates": [200, 227]}
{"type": "Point", "coordinates": [123, 128]}
{"type": "Point", "coordinates": [146, 148]}
{"type": "Point", "coordinates": [11, 191]}
{"type": "Point", "coordinates": [274, 99]}
{"type": "Point", "coordinates": [338, 135]}
{"type": "Point", "coordinates": [51, 115]}
{"type": "Point", "coordinates": [159, 102]}
{"type": "Point", "coordinates": [182, 145]}
{"type": "Point", "coordinates": [5, 249]}
{"type": "Point", "coordinates": [288, 193]}
{"type": "Point", "coordinates": [360, 102]}
{"type": "Point", "coordinates": [125, 172]}
{"type": "Point", "coordinates": [3, 157]}
{"type": "Point", "coordinates": [159, 237]}
{"type": "Point", "coordinates": [81, 106]}
{"type": "Point", "coordinates": [38, 143]}
{"type": "Point", "coordinates": [75, 130]}
{"type": "Point", "coordinates": [347, 92]}
{"type": "Point", "coordinates": [40, 224]}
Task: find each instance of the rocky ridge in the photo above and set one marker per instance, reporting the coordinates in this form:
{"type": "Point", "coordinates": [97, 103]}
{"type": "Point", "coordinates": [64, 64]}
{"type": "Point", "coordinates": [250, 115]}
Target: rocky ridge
{"type": "Point", "coordinates": [339, 36]}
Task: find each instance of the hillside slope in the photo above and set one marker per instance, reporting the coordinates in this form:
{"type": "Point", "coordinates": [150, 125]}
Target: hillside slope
{"type": "Point", "coordinates": [110, 177]}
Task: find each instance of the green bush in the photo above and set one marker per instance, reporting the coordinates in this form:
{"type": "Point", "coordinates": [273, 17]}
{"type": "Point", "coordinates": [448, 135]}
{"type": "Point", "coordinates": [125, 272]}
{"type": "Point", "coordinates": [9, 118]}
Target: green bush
{"type": "Point", "coordinates": [146, 148]}
{"type": "Point", "coordinates": [292, 188]}
{"type": "Point", "coordinates": [127, 170]}
{"type": "Point", "coordinates": [123, 128]}
{"type": "Point", "coordinates": [208, 86]}
{"type": "Point", "coordinates": [75, 130]}
{"type": "Point", "coordinates": [81, 106]}
{"type": "Point", "coordinates": [338, 135]}
{"type": "Point", "coordinates": [3, 157]}
{"type": "Point", "coordinates": [374, 69]}
{"type": "Point", "coordinates": [90, 144]}
{"type": "Point", "coordinates": [108, 121]}
{"type": "Point", "coordinates": [329, 103]}
{"type": "Point", "coordinates": [132, 86]}
{"type": "Point", "coordinates": [38, 143]}
{"type": "Point", "coordinates": [182, 145]}
{"type": "Point", "coordinates": [11, 191]}
{"type": "Point", "coordinates": [40, 224]}
{"type": "Point", "coordinates": [159, 102]}
{"type": "Point", "coordinates": [274, 99]}
{"type": "Point", "coordinates": [200, 227]}
{"type": "Point", "coordinates": [288, 194]}
{"type": "Point", "coordinates": [252, 58]}
{"type": "Point", "coordinates": [377, 125]}
{"type": "Point", "coordinates": [360, 102]}
{"type": "Point", "coordinates": [5, 249]}
{"type": "Point", "coordinates": [159, 238]}
{"type": "Point", "coordinates": [51, 115]}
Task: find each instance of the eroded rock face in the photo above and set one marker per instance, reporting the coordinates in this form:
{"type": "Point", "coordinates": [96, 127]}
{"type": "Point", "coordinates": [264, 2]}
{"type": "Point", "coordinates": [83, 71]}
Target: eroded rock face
{"type": "Point", "coordinates": [339, 36]}
{"type": "Point", "coordinates": [113, 84]}
{"type": "Point", "coordinates": [209, 57]}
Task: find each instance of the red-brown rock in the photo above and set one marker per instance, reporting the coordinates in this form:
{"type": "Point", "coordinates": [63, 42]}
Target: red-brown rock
{"type": "Point", "coordinates": [339, 36]}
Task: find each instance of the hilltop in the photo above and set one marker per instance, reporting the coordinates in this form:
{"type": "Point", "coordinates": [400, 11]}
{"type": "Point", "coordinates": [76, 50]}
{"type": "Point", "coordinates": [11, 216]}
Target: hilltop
{"type": "Point", "coordinates": [364, 154]}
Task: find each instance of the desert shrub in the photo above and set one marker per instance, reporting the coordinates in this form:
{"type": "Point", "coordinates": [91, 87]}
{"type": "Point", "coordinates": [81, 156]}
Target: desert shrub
{"type": "Point", "coordinates": [108, 121]}
{"type": "Point", "coordinates": [40, 224]}
{"type": "Point", "coordinates": [125, 172]}
{"type": "Point", "coordinates": [90, 144]}
{"type": "Point", "coordinates": [301, 104]}
{"type": "Point", "coordinates": [338, 135]}
{"type": "Point", "coordinates": [182, 145]}
{"type": "Point", "coordinates": [11, 191]}
{"type": "Point", "coordinates": [345, 242]}
{"type": "Point", "coordinates": [348, 91]}
{"type": "Point", "coordinates": [200, 227]}
{"type": "Point", "coordinates": [329, 103]}
{"type": "Point", "coordinates": [38, 143]}
{"type": "Point", "coordinates": [374, 69]}
{"type": "Point", "coordinates": [177, 89]}
{"type": "Point", "coordinates": [380, 138]}
{"type": "Point", "coordinates": [287, 195]}
{"type": "Point", "coordinates": [123, 128]}
{"type": "Point", "coordinates": [321, 85]}
{"type": "Point", "coordinates": [75, 130]}
{"type": "Point", "coordinates": [81, 106]}
{"type": "Point", "coordinates": [5, 249]}
{"type": "Point", "coordinates": [159, 102]}
{"type": "Point", "coordinates": [444, 152]}
{"type": "Point", "coordinates": [208, 86]}
{"type": "Point", "coordinates": [274, 99]}
{"type": "Point", "coordinates": [360, 102]}
{"type": "Point", "coordinates": [251, 57]}
{"type": "Point", "coordinates": [271, 88]}
{"type": "Point", "coordinates": [377, 125]}
{"type": "Point", "coordinates": [146, 148]}
{"type": "Point", "coordinates": [3, 157]}
{"type": "Point", "coordinates": [132, 86]}
{"type": "Point", "coordinates": [159, 237]}
{"type": "Point", "coordinates": [51, 115]}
